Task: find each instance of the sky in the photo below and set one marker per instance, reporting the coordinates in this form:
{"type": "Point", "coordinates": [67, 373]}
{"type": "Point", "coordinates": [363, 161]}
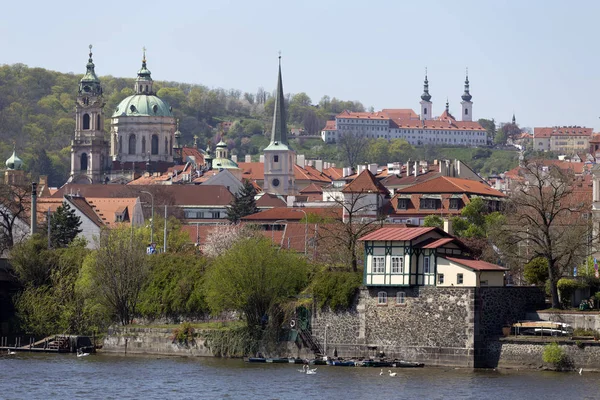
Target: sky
{"type": "Point", "coordinates": [538, 59]}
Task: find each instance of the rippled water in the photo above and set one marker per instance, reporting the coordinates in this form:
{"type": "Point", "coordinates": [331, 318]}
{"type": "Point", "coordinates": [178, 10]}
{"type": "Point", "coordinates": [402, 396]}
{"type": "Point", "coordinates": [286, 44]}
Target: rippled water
{"type": "Point", "coordinates": [53, 376]}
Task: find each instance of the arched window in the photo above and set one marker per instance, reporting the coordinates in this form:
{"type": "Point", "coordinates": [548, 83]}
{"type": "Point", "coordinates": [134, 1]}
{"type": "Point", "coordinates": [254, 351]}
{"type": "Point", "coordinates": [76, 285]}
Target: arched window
{"type": "Point", "coordinates": [154, 145]}
{"type": "Point", "coordinates": [84, 161]}
{"type": "Point", "coordinates": [86, 121]}
{"type": "Point", "coordinates": [131, 144]}
{"type": "Point", "coordinates": [98, 126]}
{"type": "Point", "coordinates": [425, 111]}
{"type": "Point", "coordinates": [466, 111]}
{"type": "Point", "coordinates": [166, 146]}
{"type": "Point", "coordinates": [146, 88]}
{"type": "Point", "coordinates": [144, 145]}
{"type": "Point", "coordinates": [120, 145]}
{"type": "Point", "coordinates": [171, 146]}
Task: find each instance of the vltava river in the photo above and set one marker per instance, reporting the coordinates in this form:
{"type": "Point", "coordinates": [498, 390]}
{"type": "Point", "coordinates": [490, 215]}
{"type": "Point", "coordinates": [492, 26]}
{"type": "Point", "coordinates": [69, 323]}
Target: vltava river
{"type": "Point", "coordinates": [50, 376]}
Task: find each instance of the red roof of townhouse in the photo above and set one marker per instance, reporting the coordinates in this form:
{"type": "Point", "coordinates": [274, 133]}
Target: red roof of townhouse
{"type": "Point", "coordinates": [477, 265]}
{"type": "Point", "coordinates": [365, 182]}
{"type": "Point", "coordinates": [256, 171]}
{"type": "Point", "coordinates": [546, 132]}
{"type": "Point", "coordinates": [329, 126]}
{"type": "Point", "coordinates": [399, 234]}
{"type": "Point", "coordinates": [444, 184]}
{"type": "Point", "coordinates": [294, 214]}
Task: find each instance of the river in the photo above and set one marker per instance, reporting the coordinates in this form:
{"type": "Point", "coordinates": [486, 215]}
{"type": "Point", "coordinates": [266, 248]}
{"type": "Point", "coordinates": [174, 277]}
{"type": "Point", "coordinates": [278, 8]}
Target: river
{"type": "Point", "coordinates": [64, 376]}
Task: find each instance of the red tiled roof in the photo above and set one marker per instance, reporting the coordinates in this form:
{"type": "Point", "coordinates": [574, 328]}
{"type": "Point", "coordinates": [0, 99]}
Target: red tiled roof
{"type": "Point", "coordinates": [270, 200]}
{"type": "Point", "coordinates": [545, 132]}
{"type": "Point", "coordinates": [365, 182]}
{"type": "Point", "coordinates": [478, 265]}
{"type": "Point", "coordinates": [86, 209]}
{"type": "Point", "coordinates": [312, 188]}
{"type": "Point", "coordinates": [329, 126]}
{"type": "Point", "coordinates": [438, 243]}
{"type": "Point", "coordinates": [400, 234]}
{"type": "Point", "coordinates": [444, 184]}
{"type": "Point", "coordinates": [294, 214]}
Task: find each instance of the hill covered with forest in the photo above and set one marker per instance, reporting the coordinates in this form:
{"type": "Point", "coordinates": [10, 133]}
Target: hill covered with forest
{"type": "Point", "coordinates": [37, 109]}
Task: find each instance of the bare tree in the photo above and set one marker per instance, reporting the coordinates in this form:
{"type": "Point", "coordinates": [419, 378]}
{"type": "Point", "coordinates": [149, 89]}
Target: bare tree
{"type": "Point", "coordinates": [550, 217]}
{"type": "Point", "coordinates": [338, 241]}
{"type": "Point", "coordinates": [353, 148]}
{"type": "Point", "coordinates": [120, 271]}
{"type": "Point", "coordinates": [15, 207]}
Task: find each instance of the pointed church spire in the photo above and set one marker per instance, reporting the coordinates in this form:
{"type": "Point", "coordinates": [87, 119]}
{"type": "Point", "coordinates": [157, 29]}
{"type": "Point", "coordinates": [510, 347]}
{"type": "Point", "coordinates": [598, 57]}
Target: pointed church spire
{"type": "Point", "coordinates": [466, 95]}
{"type": "Point", "coordinates": [279, 131]}
{"type": "Point", "coordinates": [514, 120]}
{"type": "Point", "coordinates": [426, 96]}
{"type": "Point", "coordinates": [447, 106]}
{"type": "Point", "coordinates": [143, 82]}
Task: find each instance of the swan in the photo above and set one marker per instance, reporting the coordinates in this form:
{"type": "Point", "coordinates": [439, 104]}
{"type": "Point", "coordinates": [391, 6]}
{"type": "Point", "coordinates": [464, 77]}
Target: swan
{"type": "Point", "coordinates": [11, 353]}
{"type": "Point", "coordinates": [311, 371]}
{"type": "Point", "coordinates": [80, 353]}
{"type": "Point", "coordinates": [392, 373]}
{"type": "Point", "coordinates": [381, 372]}
{"type": "Point", "coordinates": [303, 370]}
{"type": "Point", "coordinates": [580, 371]}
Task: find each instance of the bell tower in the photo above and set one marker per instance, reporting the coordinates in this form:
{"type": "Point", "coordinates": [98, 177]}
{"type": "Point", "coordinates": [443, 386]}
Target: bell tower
{"type": "Point", "coordinates": [467, 104]}
{"type": "Point", "coordinates": [89, 150]}
{"type": "Point", "coordinates": [426, 113]}
{"type": "Point", "coordinates": [279, 158]}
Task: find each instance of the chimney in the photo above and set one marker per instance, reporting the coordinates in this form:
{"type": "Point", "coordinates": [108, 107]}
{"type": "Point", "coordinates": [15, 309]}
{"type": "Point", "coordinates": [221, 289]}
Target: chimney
{"type": "Point", "coordinates": [448, 226]}
{"type": "Point", "coordinates": [360, 168]}
{"type": "Point", "coordinates": [408, 164]}
{"type": "Point", "coordinates": [248, 158]}
{"type": "Point", "coordinates": [34, 208]}
{"type": "Point", "coordinates": [234, 158]}
{"type": "Point", "coordinates": [373, 168]}
{"type": "Point", "coordinates": [300, 160]}
{"type": "Point", "coordinates": [416, 168]}
{"type": "Point", "coordinates": [262, 158]}
{"type": "Point", "coordinates": [319, 165]}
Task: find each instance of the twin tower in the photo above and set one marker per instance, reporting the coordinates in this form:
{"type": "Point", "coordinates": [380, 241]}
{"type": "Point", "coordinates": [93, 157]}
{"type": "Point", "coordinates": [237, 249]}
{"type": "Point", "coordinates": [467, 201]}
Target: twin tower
{"type": "Point", "coordinates": [466, 103]}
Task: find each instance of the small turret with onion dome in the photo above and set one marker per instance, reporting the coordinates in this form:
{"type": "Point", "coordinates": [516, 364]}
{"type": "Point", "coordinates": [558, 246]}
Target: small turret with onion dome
{"type": "Point", "coordinates": [466, 95]}
{"type": "Point", "coordinates": [14, 162]}
{"type": "Point", "coordinates": [426, 96]}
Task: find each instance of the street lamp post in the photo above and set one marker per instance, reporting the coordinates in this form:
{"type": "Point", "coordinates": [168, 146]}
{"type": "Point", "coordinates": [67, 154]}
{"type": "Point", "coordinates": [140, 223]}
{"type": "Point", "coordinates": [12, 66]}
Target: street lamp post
{"type": "Point", "coordinates": [305, 229]}
{"type": "Point", "coordinates": [151, 217]}
{"type": "Point", "coordinates": [273, 228]}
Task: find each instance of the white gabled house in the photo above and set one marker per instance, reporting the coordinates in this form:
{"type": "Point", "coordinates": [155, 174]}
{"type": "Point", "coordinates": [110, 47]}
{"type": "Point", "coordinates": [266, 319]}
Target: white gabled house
{"type": "Point", "coordinates": [420, 256]}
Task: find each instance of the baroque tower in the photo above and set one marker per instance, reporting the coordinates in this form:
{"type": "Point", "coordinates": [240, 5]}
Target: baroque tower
{"type": "Point", "coordinates": [89, 150]}
{"type": "Point", "coordinates": [467, 104]}
{"type": "Point", "coordinates": [279, 158]}
{"type": "Point", "coordinates": [426, 113]}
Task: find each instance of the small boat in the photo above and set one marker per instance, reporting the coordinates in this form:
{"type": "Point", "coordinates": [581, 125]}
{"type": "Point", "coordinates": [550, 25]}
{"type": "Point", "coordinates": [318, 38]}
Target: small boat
{"type": "Point", "coordinates": [281, 360]}
{"type": "Point", "coordinates": [317, 362]}
{"type": "Point", "coordinates": [342, 363]}
{"type": "Point", "coordinates": [256, 359]}
{"type": "Point", "coordinates": [407, 364]}
{"type": "Point", "coordinates": [374, 363]}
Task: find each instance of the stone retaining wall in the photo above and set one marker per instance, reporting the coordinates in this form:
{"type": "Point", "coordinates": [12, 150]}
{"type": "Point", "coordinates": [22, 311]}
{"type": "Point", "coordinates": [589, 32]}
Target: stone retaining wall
{"type": "Point", "coordinates": [582, 320]}
{"type": "Point", "coordinates": [514, 353]}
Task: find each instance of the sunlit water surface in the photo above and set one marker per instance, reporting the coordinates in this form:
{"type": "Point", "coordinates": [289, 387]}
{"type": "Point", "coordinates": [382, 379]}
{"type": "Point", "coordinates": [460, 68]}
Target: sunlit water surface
{"type": "Point", "coordinates": [51, 376]}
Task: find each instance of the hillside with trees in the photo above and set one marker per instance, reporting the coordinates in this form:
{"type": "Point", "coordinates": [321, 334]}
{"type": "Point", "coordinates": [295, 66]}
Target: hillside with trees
{"type": "Point", "coordinates": [37, 117]}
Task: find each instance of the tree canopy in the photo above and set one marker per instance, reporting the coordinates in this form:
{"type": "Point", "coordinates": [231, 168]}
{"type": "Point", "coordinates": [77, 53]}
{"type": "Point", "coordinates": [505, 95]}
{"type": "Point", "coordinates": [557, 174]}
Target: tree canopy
{"type": "Point", "coordinates": [64, 226]}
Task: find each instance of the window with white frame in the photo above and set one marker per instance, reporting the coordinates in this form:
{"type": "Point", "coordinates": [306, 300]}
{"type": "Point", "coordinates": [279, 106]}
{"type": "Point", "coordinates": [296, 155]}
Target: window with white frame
{"type": "Point", "coordinates": [397, 265]}
{"type": "Point", "coordinates": [426, 265]}
{"type": "Point", "coordinates": [459, 279]}
{"type": "Point", "coordinates": [401, 298]}
{"type": "Point", "coordinates": [382, 298]}
{"type": "Point", "coordinates": [378, 265]}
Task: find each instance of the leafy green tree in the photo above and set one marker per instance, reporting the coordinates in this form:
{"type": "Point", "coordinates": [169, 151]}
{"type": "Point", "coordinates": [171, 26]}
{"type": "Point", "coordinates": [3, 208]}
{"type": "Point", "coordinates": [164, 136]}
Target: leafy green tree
{"type": "Point", "coordinates": [433, 221]}
{"type": "Point", "coordinates": [489, 125]}
{"type": "Point", "coordinates": [536, 271]}
{"type": "Point", "coordinates": [64, 226]}
{"type": "Point", "coordinates": [120, 270]}
{"type": "Point", "coordinates": [255, 279]}
{"type": "Point", "coordinates": [32, 261]}
{"type": "Point", "coordinates": [243, 203]}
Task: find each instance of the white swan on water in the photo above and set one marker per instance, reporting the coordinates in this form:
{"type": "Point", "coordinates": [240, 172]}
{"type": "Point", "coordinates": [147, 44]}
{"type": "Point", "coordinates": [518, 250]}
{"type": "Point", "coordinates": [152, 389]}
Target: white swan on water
{"type": "Point", "coordinates": [80, 353]}
{"type": "Point", "coordinates": [311, 371]}
{"type": "Point", "coordinates": [391, 373]}
{"type": "Point", "coordinates": [11, 353]}
{"type": "Point", "coordinates": [381, 372]}
{"type": "Point", "coordinates": [303, 370]}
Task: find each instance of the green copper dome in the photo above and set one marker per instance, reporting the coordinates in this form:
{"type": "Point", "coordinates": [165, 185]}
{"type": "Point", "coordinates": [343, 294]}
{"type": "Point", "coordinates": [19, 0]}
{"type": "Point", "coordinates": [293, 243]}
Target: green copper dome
{"type": "Point", "coordinates": [143, 105]}
{"type": "Point", "coordinates": [14, 162]}
{"type": "Point", "coordinates": [224, 163]}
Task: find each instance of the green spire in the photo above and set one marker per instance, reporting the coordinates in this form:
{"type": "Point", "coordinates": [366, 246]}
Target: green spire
{"type": "Point", "coordinates": [279, 131]}
{"type": "Point", "coordinates": [90, 84]}
{"type": "Point", "coordinates": [426, 96]}
{"type": "Point", "coordinates": [466, 95]}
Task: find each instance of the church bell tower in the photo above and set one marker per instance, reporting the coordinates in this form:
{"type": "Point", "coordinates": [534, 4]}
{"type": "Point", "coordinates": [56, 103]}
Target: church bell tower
{"type": "Point", "coordinates": [89, 150]}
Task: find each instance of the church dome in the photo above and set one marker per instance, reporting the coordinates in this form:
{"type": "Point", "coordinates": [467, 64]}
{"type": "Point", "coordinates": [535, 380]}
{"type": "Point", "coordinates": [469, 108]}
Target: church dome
{"type": "Point", "coordinates": [143, 105]}
{"type": "Point", "coordinates": [14, 162]}
{"type": "Point", "coordinates": [224, 163]}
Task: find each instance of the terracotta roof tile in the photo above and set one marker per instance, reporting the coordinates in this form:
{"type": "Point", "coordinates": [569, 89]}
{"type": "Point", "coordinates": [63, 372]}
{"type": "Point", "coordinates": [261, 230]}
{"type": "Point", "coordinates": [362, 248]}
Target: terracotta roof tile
{"type": "Point", "coordinates": [294, 214]}
{"type": "Point", "coordinates": [546, 132]}
{"type": "Point", "coordinates": [478, 265]}
{"type": "Point", "coordinates": [444, 184]}
{"type": "Point", "coordinates": [399, 234]}
{"type": "Point", "coordinates": [365, 182]}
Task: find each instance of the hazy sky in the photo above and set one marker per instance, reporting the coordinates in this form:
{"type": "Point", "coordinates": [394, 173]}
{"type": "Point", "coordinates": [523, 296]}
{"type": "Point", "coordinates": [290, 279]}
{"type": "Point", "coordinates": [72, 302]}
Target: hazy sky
{"type": "Point", "coordinates": [536, 58]}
